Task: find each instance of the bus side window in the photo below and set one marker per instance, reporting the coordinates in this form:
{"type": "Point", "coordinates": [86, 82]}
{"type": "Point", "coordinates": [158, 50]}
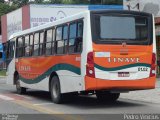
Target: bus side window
{"type": "Point", "coordinates": [31, 45]}
{"type": "Point", "coordinates": [7, 49]}
{"type": "Point", "coordinates": [79, 39]}
{"type": "Point", "coordinates": [65, 38]}
{"type": "Point", "coordinates": [76, 37]}
{"type": "Point", "coordinates": [20, 48]}
{"type": "Point", "coordinates": [53, 42]}
{"type": "Point", "coordinates": [72, 37]}
{"type": "Point", "coordinates": [27, 45]}
{"type": "Point", "coordinates": [36, 44]}
{"type": "Point", "coordinates": [41, 43]}
{"type": "Point", "coordinates": [11, 50]}
{"type": "Point", "coordinates": [49, 42]}
{"type": "Point", "coordinates": [59, 41]}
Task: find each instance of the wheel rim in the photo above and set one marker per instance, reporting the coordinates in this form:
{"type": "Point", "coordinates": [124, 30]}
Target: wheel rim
{"type": "Point", "coordinates": [18, 86]}
{"type": "Point", "coordinates": [55, 90]}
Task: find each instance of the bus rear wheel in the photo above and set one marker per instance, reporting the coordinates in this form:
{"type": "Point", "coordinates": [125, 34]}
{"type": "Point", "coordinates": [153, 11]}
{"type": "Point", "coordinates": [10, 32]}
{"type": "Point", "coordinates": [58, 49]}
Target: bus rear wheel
{"type": "Point", "coordinates": [20, 90]}
{"type": "Point", "coordinates": [107, 96]}
{"type": "Point", "coordinates": [55, 90]}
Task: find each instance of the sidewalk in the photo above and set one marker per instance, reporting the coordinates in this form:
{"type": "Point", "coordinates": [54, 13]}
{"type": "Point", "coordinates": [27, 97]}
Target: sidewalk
{"type": "Point", "coordinates": [152, 95]}
{"type": "Point", "coordinates": [2, 80]}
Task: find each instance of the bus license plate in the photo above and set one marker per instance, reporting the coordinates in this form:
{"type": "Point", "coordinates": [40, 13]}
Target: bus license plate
{"type": "Point", "coordinates": [123, 74]}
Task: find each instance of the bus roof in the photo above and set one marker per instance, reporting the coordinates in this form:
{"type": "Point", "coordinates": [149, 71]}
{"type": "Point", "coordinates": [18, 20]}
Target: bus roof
{"type": "Point", "coordinates": [48, 25]}
{"type": "Point", "coordinates": [61, 21]}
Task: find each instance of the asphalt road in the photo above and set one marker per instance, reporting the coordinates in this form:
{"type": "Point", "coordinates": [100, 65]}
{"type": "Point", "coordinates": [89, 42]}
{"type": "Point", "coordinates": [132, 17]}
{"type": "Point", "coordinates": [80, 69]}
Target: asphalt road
{"type": "Point", "coordinates": [39, 102]}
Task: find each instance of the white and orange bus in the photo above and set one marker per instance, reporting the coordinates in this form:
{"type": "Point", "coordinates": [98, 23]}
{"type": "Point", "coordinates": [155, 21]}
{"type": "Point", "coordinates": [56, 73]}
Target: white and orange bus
{"type": "Point", "coordinates": [102, 52]}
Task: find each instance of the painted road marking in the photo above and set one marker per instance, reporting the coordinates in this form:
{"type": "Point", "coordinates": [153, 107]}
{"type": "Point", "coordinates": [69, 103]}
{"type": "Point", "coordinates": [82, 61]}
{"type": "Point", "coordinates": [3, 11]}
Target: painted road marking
{"type": "Point", "coordinates": [43, 104]}
{"type": "Point", "coordinates": [8, 96]}
{"type": "Point", "coordinates": [47, 110]}
{"type": "Point", "coordinates": [3, 97]}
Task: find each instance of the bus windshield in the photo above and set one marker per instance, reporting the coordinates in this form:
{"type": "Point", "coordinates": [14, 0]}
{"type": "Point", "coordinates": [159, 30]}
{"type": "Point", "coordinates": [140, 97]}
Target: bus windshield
{"type": "Point", "coordinates": [116, 28]}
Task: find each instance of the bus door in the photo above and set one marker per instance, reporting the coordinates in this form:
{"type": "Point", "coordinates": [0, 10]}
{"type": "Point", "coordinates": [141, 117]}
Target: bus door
{"type": "Point", "coordinates": [10, 61]}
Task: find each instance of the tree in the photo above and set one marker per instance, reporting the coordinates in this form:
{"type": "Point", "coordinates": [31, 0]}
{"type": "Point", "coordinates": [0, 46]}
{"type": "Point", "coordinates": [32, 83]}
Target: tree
{"type": "Point", "coordinates": [38, 1]}
{"type": "Point", "coordinates": [55, 1]}
{"type": "Point", "coordinates": [104, 2]}
{"type": "Point", "coordinates": [112, 2]}
{"type": "Point", "coordinates": [2, 1]}
{"type": "Point", "coordinates": [19, 3]}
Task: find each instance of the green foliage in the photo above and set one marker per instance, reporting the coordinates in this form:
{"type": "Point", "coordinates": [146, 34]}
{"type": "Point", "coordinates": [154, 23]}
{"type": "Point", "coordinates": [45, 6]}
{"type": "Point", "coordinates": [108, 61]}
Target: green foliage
{"type": "Point", "coordinates": [2, 72]}
{"type": "Point", "coordinates": [106, 2]}
{"type": "Point", "coordinates": [5, 8]}
{"type": "Point", "coordinates": [20, 3]}
{"type": "Point", "coordinates": [38, 1]}
{"type": "Point", "coordinates": [2, 1]}
{"type": "Point", "coordinates": [56, 1]}
{"type": "Point", "coordinates": [109, 2]}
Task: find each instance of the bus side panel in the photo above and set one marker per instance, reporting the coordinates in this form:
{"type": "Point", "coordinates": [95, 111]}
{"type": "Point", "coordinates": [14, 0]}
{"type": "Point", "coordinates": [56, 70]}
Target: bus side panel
{"type": "Point", "coordinates": [33, 71]}
{"type": "Point", "coordinates": [42, 85]}
{"type": "Point", "coordinates": [28, 69]}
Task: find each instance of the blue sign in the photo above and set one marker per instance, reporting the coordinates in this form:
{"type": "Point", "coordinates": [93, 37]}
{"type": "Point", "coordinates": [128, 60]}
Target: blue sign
{"type": "Point", "coordinates": [1, 47]}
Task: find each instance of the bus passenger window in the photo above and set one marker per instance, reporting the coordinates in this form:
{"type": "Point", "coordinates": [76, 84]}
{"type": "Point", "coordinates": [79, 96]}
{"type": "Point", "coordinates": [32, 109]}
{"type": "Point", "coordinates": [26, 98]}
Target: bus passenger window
{"type": "Point", "coordinates": [53, 43]}
{"type": "Point", "coordinates": [48, 42]}
{"type": "Point", "coordinates": [59, 41]}
{"type": "Point", "coordinates": [27, 45]}
{"type": "Point", "coordinates": [31, 44]}
{"type": "Point", "coordinates": [76, 37]}
{"type": "Point", "coordinates": [20, 48]}
{"type": "Point", "coordinates": [36, 44]}
{"type": "Point", "coordinates": [41, 43]}
{"type": "Point", "coordinates": [80, 29]}
{"type": "Point", "coordinates": [65, 37]}
{"type": "Point", "coordinates": [72, 37]}
{"type": "Point", "coordinates": [79, 39]}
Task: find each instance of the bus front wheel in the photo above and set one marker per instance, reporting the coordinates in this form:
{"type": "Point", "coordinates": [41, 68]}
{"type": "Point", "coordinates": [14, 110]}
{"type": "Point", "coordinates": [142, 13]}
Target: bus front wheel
{"type": "Point", "coordinates": [107, 96]}
{"type": "Point", "coordinates": [20, 90]}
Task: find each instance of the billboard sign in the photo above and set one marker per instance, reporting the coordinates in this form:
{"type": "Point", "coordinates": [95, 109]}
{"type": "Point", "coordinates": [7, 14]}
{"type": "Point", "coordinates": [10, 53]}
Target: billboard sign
{"type": "Point", "coordinates": [41, 14]}
{"type": "Point", "coordinates": [14, 22]}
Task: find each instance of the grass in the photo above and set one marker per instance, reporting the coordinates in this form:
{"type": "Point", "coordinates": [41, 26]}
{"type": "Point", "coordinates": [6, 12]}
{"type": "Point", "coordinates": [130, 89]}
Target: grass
{"type": "Point", "coordinates": [2, 72]}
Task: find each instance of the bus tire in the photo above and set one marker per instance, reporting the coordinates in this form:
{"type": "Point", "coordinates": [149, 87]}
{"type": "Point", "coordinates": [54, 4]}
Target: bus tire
{"type": "Point", "coordinates": [107, 96]}
{"type": "Point", "coordinates": [55, 90]}
{"type": "Point", "coordinates": [20, 90]}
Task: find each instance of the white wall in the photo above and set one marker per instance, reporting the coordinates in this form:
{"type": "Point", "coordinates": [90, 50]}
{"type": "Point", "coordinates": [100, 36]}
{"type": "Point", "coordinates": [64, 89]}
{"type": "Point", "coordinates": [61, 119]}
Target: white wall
{"type": "Point", "coordinates": [14, 22]}
{"type": "Point", "coordinates": [150, 6]}
{"type": "Point", "coordinates": [41, 14]}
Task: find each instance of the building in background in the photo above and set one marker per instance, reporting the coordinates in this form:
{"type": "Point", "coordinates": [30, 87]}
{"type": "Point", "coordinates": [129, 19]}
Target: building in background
{"type": "Point", "coordinates": [34, 15]}
{"type": "Point", "coordinates": [150, 6]}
